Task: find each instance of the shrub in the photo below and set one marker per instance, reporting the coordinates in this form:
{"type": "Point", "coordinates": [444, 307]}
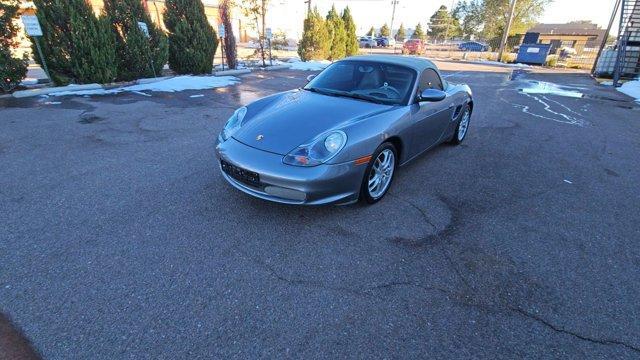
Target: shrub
{"type": "Point", "coordinates": [192, 41]}
{"type": "Point", "coordinates": [279, 41]}
{"type": "Point", "coordinates": [137, 55]}
{"type": "Point", "coordinates": [12, 70]}
{"type": "Point", "coordinates": [552, 61]}
{"type": "Point", "coordinates": [77, 46]}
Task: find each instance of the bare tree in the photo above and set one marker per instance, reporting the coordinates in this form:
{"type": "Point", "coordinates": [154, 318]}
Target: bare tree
{"type": "Point", "coordinates": [256, 10]}
{"type": "Point", "coordinates": [231, 52]}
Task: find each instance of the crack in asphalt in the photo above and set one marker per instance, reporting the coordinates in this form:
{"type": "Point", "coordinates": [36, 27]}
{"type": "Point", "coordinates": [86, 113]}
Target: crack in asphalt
{"type": "Point", "coordinates": [450, 294]}
{"type": "Point", "coordinates": [413, 205]}
{"type": "Point", "coordinates": [562, 330]}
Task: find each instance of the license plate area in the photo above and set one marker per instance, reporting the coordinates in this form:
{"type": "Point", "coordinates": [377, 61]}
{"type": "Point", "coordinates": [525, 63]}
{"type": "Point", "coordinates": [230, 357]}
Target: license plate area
{"type": "Point", "coordinates": [244, 176]}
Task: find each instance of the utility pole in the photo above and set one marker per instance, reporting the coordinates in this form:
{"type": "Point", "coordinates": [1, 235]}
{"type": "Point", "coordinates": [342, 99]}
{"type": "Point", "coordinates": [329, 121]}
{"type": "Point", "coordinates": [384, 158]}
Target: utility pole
{"type": "Point", "coordinates": [308, 2]}
{"type": "Point", "coordinates": [393, 16]}
{"type": "Point", "coordinates": [505, 35]}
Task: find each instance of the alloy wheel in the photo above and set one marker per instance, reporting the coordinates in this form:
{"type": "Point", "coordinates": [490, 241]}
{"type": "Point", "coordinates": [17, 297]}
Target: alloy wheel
{"type": "Point", "coordinates": [381, 173]}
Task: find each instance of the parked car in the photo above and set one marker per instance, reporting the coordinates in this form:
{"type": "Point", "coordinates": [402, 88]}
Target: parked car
{"type": "Point", "coordinates": [367, 42]}
{"type": "Point", "coordinates": [385, 111]}
{"type": "Point", "coordinates": [413, 46]}
{"type": "Point", "coordinates": [385, 41]}
{"type": "Point", "coordinates": [473, 46]}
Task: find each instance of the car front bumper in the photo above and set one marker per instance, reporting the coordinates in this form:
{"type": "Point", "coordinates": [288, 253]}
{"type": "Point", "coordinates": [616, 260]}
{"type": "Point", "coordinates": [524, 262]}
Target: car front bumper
{"type": "Point", "coordinates": [287, 184]}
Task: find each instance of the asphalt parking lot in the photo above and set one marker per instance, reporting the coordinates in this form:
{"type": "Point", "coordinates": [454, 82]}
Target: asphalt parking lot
{"type": "Point", "coordinates": [120, 238]}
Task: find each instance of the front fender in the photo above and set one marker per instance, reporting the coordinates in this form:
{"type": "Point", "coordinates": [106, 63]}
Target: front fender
{"type": "Point", "coordinates": [365, 135]}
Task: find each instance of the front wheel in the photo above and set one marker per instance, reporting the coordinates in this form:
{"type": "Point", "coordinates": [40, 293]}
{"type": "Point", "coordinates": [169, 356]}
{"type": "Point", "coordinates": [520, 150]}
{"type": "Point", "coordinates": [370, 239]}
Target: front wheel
{"type": "Point", "coordinates": [379, 173]}
{"type": "Point", "coordinates": [463, 126]}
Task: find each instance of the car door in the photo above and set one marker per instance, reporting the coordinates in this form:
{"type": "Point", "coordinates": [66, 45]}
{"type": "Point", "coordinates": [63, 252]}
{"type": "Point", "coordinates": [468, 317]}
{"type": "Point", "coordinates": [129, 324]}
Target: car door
{"type": "Point", "coordinates": [430, 119]}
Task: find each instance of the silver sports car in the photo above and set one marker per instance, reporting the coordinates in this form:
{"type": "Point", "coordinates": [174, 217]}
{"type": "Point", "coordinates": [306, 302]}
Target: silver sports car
{"type": "Point", "coordinates": [341, 137]}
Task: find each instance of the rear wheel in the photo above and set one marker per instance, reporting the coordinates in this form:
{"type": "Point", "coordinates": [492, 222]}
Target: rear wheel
{"type": "Point", "coordinates": [463, 126]}
{"type": "Point", "coordinates": [379, 174]}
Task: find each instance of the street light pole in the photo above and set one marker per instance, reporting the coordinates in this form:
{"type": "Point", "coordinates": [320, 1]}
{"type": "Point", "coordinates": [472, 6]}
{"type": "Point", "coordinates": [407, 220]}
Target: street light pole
{"type": "Point", "coordinates": [505, 35]}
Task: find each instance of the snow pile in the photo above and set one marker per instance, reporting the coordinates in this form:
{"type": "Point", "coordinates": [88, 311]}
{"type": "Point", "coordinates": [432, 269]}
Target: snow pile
{"type": "Point", "coordinates": [311, 65]}
{"type": "Point", "coordinates": [488, 62]}
{"type": "Point", "coordinates": [542, 87]}
{"type": "Point", "coordinates": [178, 83]}
{"type": "Point", "coordinates": [631, 88]}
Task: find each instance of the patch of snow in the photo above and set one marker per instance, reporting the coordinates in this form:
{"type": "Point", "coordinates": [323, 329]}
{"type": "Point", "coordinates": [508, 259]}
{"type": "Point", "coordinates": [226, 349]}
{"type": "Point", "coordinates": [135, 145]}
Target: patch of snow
{"type": "Point", "coordinates": [178, 83]}
{"type": "Point", "coordinates": [86, 92]}
{"type": "Point", "coordinates": [311, 65]}
{"type": "Point", "coordinates": [542, 87]}
{"type": "Point", "coordinates": [607, 83]}
{"type": "Point", "coordinates": [52, 103]}
{"type": "Point", "coordinates": [489, 62]}
{"type": "Point", "coordinates": [197, 96]}
{"type": "Point", "coordinates": [29, 81]}
{"type": "Point", "coordinates": [186, 82]}
{"type": "Point", "coordinates": [631, 88]}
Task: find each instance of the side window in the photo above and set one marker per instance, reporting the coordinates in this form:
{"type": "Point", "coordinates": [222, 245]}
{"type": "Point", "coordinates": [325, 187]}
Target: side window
{"type": "Point", "coordinates": [430, 80]}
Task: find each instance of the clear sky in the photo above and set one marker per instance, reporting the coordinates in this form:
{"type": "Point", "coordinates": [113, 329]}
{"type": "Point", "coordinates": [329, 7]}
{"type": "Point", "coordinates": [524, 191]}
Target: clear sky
{"type": "Point", "coordinates": [369, 13]}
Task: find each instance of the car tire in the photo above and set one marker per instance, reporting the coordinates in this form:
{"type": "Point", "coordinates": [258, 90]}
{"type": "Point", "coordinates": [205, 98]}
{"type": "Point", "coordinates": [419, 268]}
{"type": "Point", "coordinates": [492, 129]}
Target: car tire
{"type": "Point", "coordinates": [386, 174]}
{"type": "Point", "coordinates": [462, 127]}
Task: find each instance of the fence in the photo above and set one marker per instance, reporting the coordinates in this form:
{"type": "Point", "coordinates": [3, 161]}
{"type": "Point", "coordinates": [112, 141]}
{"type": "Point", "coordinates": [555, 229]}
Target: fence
{"type": "Point", "coordinates": [561, 55]}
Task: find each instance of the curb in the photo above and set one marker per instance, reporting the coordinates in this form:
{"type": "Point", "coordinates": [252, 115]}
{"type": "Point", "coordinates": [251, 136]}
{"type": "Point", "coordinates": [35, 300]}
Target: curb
{"type": "Point", "coordinates": [231, 72]}
{"type": "Point", "coordinates": [276, 67]}
{"type": "Point", "coordinates": [53, 90]}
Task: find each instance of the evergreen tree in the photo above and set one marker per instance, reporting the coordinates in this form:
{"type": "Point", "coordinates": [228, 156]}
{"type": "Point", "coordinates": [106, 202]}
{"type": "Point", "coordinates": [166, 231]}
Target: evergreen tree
{"type": "Point", "coordinates": [138, 55]}
{"type": "Point", "coordinates": [12, 70]}
{"type": "Point", "coordinates": [351, 41]}
{"type": "Point", "coordinates": [94, 58]}
{"type": "Point", "coordinates": [337, 34]}
{"type": "Point", "coordinates": [192, 40]}
{"type": "Point", "coordinates": [315, 41]}
{"type": "Point", "coordinates": [401, 35]}
{"type": "Point", "coordinates": [443, 25]}
{"type": "Point", "coordinates": [384, 30]}
{"type": "Point", "coordinates": [77, 46]}
{"type": "Point", "coordinates": [418, 33]}
{"type": "Point", "coordinates": [372, 32]}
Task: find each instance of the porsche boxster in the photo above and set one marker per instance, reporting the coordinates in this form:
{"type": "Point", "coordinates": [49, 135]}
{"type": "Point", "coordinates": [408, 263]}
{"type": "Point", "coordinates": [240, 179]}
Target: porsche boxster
{"type": "Point", "coordinates": [342, 136]}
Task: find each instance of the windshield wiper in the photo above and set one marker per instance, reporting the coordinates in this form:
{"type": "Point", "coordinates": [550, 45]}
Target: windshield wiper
{"type": "Point", "coordinates": [361, 97]}
{"type": "Point", "coordinates": [348, 94]}
{"type": "Point", "coordinates": [320, 91]}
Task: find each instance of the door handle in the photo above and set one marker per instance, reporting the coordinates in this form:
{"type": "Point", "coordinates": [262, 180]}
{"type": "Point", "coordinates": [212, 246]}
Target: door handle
{"type": "Point", "coordinates": [451, 106]}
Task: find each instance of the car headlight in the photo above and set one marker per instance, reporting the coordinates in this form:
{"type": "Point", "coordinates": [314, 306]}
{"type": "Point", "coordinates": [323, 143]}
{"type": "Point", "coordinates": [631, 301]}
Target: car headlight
{"type": "Point", "coordinates": [233, 124]}
{"type": "Point", "coordinates": [319, 150]}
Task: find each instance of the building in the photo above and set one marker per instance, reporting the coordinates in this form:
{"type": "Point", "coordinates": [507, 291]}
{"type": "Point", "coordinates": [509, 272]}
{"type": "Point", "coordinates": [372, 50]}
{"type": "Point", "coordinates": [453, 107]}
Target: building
{"type": "Point", "coordinates": [154, 7]}
{"type": "Point", "coordinates": [579, 35]}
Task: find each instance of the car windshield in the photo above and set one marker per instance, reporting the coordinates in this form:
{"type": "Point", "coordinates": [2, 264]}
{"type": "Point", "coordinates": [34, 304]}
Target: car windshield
{"type": "Point", "coordinates": [366, 80]}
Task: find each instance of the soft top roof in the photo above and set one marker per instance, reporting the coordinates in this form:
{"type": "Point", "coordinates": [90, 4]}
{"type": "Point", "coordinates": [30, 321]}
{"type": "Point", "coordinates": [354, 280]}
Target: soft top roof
{"type": "Point", "coordinates": [416, 63]}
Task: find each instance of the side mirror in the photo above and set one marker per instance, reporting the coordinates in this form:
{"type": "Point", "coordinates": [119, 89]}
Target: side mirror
{"type": "Point", "coordinates": [432, 95]}
{"type": "Point", "coordinates": [310, 77]}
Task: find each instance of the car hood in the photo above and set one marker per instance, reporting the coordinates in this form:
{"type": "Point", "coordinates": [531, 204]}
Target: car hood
{"type": "Point", "coordinates": [293, 118]}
